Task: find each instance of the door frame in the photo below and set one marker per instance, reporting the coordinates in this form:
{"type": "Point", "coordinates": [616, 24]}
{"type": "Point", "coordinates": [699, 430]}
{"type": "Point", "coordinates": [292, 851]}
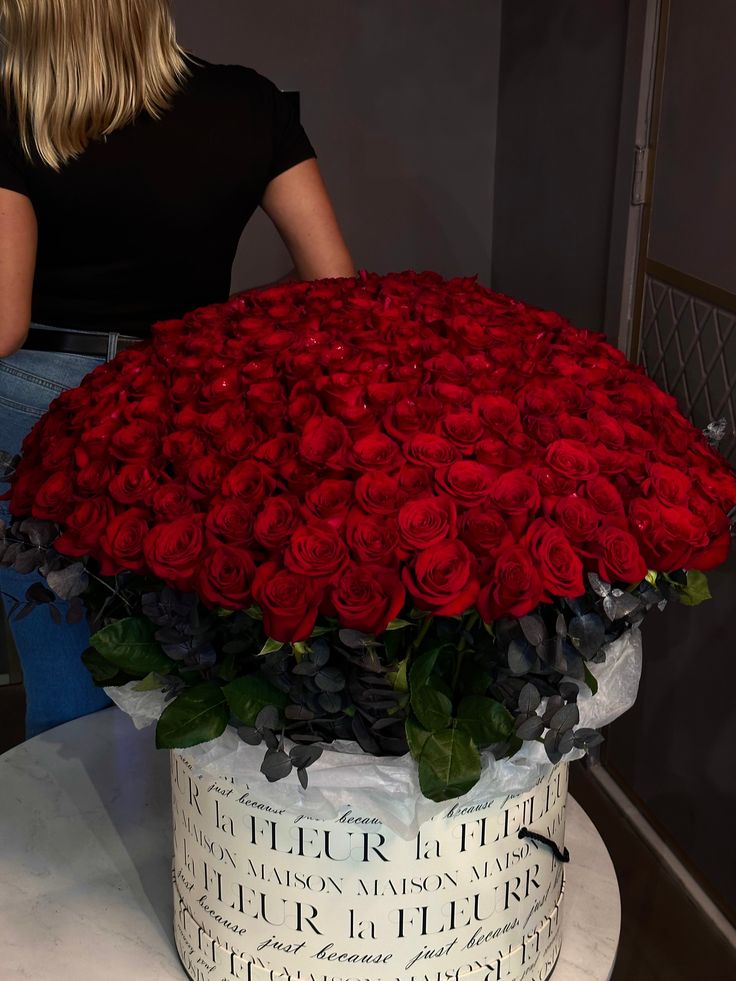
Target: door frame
{"type": "Point", "coordinates": [641, 98]}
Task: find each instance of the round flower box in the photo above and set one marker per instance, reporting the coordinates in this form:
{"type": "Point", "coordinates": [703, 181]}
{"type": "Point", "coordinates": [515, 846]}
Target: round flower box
{"type": "Point", "coordinates": [400, 532]}
{"type": "Point", "coordinates": [263, 891]}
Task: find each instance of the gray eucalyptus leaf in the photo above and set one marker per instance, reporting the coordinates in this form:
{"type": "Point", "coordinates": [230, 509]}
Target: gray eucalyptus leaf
{"type": "Point", "coordinates": [250, 735]}
{"type": "Point", "coordinates": [530, 728]}
{"type": "Point", "coordinates": [566, 742]}
{"type": "Point", "coordinates": [533, 629]}
{"type": "Point", "coordinates": [276, 765]}
{"type": "Point", "coordinates": [529, 698]}
{"type": "Point", "coordinates": [567, 717]}
{"type": "Point", "coordinates": [599, 586]}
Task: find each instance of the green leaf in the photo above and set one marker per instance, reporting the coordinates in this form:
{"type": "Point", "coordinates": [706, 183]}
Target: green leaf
{"type": "Point", "coordinates": [484, 719]}
{"type": "Point", "coordinates": [449, 765]}
{"type": "Point", "coordinates": [590, 680]}
{"type": "Point", "coordinates": [271, 646]}
{"type": "Point", "coordinates": [696, 591]}
{"type": "Point", "coordinates": [228, 669]}
{"type": "Point", "coordinates": [398, 677]}
{"type": "Point", "coordinates": [432, 708]}
{"type": "Point", "coordinates": [651, 577]}
{"type": "Point", "coordinates": [101, 670]}
{"type": "Point", "coordinates": [399, 625]}
{"type": "Point", "coordinates": [422, 668]}
{"type": "Point", "coordinates": [320, 632]}
{"type": "Point", "coordinates": [196, 716]}
{"type": "Point", "coordinates": [149, 683]}
{"type": "Point", "coordinates": [416, 736]}
{"type": "Point", "coordinates": [130, 644]}
{"type": "Point", "coordinates": [254, 612]}
{"type": "Point", "coordinates": [246, 697]}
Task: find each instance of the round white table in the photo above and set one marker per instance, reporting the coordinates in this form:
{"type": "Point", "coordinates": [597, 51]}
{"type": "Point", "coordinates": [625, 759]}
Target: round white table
{"type": "Point", "coordinates": [85, 866]}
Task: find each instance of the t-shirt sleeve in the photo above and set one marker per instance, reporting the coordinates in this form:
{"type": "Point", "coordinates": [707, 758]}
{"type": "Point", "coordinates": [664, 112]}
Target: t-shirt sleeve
{"type": "Point", "coordinates": [289, 143]}
{"type": "Point", "coordinates": [12, 170]}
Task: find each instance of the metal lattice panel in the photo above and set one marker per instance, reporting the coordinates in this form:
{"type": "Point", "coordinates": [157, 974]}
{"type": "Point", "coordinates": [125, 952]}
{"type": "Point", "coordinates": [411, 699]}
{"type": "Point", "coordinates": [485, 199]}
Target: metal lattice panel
{"type": "Point", "coordinates": [688, 346]}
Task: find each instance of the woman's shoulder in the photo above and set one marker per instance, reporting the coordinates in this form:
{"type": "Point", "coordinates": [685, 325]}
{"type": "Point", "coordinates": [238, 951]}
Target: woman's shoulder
{"type": "Point", "coordinates": [232, 78]}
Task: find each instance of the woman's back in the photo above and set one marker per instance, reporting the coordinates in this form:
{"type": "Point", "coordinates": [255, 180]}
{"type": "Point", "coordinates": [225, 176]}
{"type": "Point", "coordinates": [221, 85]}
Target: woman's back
{"type": "Point", "coordinates": [144, 225]}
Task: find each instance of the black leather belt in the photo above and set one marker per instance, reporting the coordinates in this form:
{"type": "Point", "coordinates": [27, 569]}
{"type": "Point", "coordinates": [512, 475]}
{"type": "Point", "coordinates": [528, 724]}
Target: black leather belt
{"type": "Point", "coordinates": [70, 342]}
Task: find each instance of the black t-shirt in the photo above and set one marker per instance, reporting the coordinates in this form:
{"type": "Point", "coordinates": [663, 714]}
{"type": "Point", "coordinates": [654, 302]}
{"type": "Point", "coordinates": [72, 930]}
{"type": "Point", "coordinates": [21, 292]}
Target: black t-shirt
{"type": "Point", "coordinates": [144, 226]}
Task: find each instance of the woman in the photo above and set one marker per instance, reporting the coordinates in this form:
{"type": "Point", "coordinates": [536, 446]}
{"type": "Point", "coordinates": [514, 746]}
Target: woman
{"type": "Point", "coordinates": [128, 170]}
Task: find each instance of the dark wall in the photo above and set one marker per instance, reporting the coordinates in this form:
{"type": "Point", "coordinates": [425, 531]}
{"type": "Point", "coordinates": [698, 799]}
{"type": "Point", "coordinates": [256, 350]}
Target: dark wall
{"type": "Point", "coordinates": [558, 118]}
{"type": "Point", "coordinates": [675, 748]}
{"type": "Point", "coordinates": [694, 200]}
{"type": "Point", "coordinates": [399, 100]}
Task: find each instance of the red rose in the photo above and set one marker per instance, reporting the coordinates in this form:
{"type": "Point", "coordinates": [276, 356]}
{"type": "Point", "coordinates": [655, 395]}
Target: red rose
{"type": "Point", "coordinates": [494, 453]}
{"type": "Point", "coordinates": [468, 482]}
{"type": "Point", "coordinates": [463, 429]}
{"type": "Point", "coordinates": [173, 551]}
{"type": "Point", "coordinates": [122, 542]}
{"type": "Point", "coordinates": [204, 476]}
{"type": "Point", "coordinates": [329, 501]}
{"type": "Point", "coordinates": [426, 522]}
{"type": "Point", "coordinates": [485, 531]}
{"type": "Point", "coordinates": [134, 482]}
{"type": "Point", "coordinates": [376, 452]}
{"type": "Point", "coordinates": [248, 481]}
{"type": "Point", "coordinates": [372, 538]}
{"type": "Point", "coordinates": [618, 555]}
{"type": "Point", "coordinates": [516, 492]}
{"type": "Point", "coordinates": [54, 499]}
{"type": "Point", "coordinates": [443, 579]}
{"type": "Point", "coordinates": [515, 589]}
{"type": "Point", "coordinates": [552, 483]}
{"type": "Point", "coordinates": [289, 602]}
{"type": "Point", "coordinates": [606, 429]}
{"type": "Point", "coordinates": [316, 550]}
{"type": "Point", "coordinates": [603, 495]}
{"type": "Point", "coordinates": [93, 478]}
{"type": "Point", "coordinates": [225, 578]}
{"type": "Point", "coordinates": [576, 516]}
{"type": "Point", "coordinates": [367, 598]}
{"type": "Point", "coordinates": [56, 450]}
{"type": "Point", "coordinates": [172, 500]}
{"type": "Point", "coordinates": [669, 537]}
{"type": "Point", "coordinates": [560, 568]}
{"type": "Point", "coordinates": [497, 412]}
{"type": "Point", "coordinates": [572, 459]}
{"type": "Point", "coordinates": [181, 447]}
{"type": "Point", "coordinates": [267, 400]}
{"type": "Point", "coordinates": [323, 442]}
{"type": "Point", "coordinates": [136, 441]}
{"type": "Point", "coordinates": [415, 481]}
{"type": "Point", "coordinates": [429, 450]}
{"type": "Point", "coordinates": [84, 525]}
{"type": "Point", "coordinates": [670, 486]}
{"type": "Point", "coordinates": [229, 521]}
{"type": "Point", "coordinates": [378, 493]}
{"type": "Point", "coordinates": [276, 521]}
{"type": "Point", "coordinates": [411, 416]}
{"type": "Point", "coordinates": [302, 408]}
{"type": "Point", "coordinates": [244, 441]}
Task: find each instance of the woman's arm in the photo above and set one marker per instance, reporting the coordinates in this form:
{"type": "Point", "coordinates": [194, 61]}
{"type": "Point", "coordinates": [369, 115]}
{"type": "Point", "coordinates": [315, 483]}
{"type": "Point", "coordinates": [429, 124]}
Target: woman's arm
{"type": "Point", "coordinates": [18, 236]}
{"type": "Point", "coordinates": [298, 204]}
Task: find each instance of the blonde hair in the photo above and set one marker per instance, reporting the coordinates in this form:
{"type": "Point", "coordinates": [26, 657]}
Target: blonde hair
{"type": "Point", "coordinates": [73, 71]}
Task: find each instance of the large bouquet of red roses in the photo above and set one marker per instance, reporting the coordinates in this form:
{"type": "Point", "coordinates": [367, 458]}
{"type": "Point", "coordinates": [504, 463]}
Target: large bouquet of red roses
{"type": "Point", "coordinates": [390, 508]}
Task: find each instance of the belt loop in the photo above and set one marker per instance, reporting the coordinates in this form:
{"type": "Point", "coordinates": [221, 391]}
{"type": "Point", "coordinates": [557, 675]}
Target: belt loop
{"type": "Point", "coordinates": [112, 345]}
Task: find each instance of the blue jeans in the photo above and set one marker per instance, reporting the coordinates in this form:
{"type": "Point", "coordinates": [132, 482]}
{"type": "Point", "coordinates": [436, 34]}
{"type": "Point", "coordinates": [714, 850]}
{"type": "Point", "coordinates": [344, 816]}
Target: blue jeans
{"type": "Point", "coordinates": [58, 686]}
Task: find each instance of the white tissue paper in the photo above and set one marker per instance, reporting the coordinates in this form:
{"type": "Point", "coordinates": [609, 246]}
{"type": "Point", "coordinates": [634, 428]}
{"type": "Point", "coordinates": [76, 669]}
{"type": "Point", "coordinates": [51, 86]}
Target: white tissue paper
{"type": "Point", "coordinates": [387, 787]}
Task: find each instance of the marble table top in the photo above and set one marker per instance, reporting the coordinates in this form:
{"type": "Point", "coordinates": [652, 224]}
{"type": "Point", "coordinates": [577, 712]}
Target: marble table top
{"type": "Point", "coordinates": [85, 867]}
